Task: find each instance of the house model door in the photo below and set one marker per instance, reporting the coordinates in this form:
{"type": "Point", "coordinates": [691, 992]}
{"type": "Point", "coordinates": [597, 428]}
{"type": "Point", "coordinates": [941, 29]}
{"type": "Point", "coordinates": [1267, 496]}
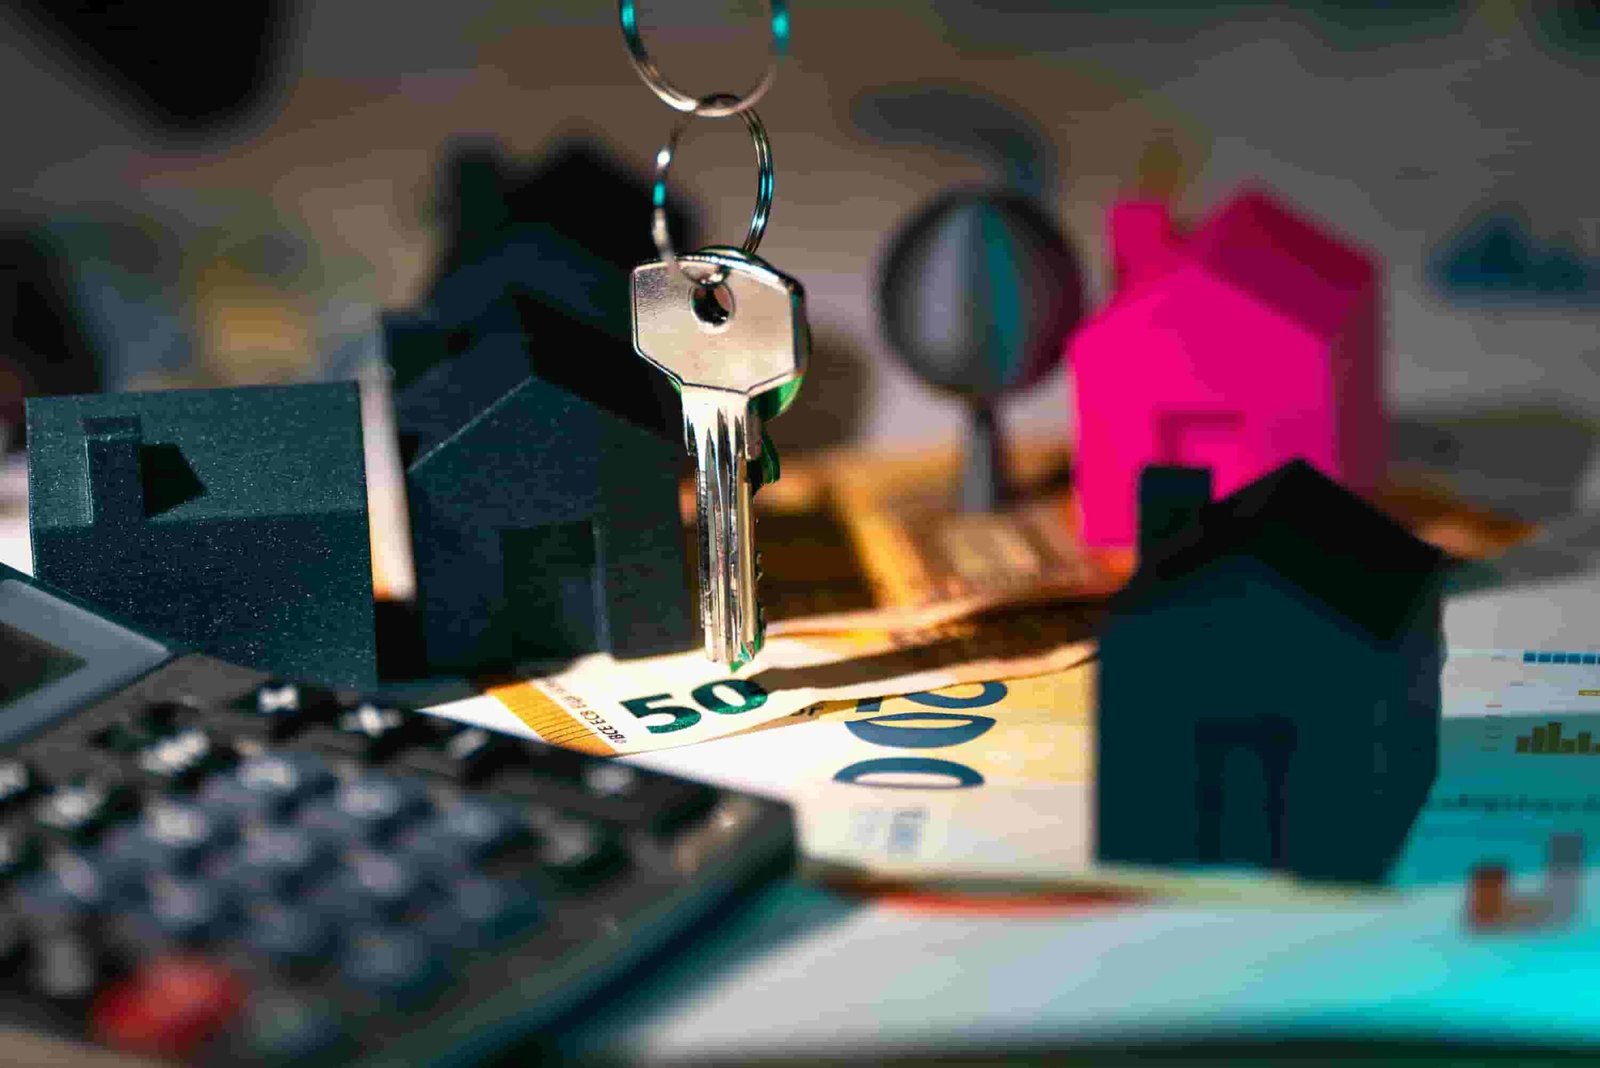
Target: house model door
{"type": "Point", "coordinates": [1242, 796]}
{"type": "Point", "coordinates": [551, 590]}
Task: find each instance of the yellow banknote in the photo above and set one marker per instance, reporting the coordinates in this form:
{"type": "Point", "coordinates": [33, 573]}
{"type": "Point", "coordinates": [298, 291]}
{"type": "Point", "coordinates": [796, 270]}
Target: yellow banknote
{"type": "Point", "coordinates": [990, 779]}
{"type": "Point", "coordinates": [601, 705]}
{"type": "Point", "coordinates": [982, 785]}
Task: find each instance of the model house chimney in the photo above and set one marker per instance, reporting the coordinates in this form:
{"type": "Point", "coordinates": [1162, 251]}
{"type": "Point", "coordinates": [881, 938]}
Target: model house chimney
{"type": "Point", "coordinates": [1144, 242]}
{"type": "Point", "coordinates": [111, 446]}
{"type": "Point", "coordinates": [1170, 498]}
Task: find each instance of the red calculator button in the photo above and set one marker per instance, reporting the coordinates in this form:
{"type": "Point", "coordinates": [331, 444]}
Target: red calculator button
{"type": "Point", "coordinates": [169, 1007]}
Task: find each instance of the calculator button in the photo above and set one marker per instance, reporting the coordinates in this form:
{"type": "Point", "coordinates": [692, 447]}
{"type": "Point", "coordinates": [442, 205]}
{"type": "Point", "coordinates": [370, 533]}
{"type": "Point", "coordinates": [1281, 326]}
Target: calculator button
{"type": "Point", "coordinates": [68, 962]}
{"type": "Point", "coordinates": [477, 912]}
{"type": "Point", "coordinates": [133, 732]}
{"type": "Point", "coordinates": [267, 786]}
{"type": "Point", "coordinates": [371, 886]}
{"type": "Point", "coordinates": [466, 833]}
{"type": "Point", "coordinates": [74, 884]}
{"type": "Point", "coordinates": [290, 935]}
{"type": "Point", "coordinates": [181, 759]}
{"type": "Point", "coordinates": [282, 708]}
{"type": "Point", "coordinates": [373, 731]}
{"type": "Point", "coordinates": [19, 852]}
{"type": "Point", "coordinates": [170, 835]}
{"type": "Point", "coordinates": [272, 861]}
{"type": "Point", "coordinates": [169, 1007]}
{"type": "Point", "coordinates": [369, 808]}
{"type": "Point", "coordinates": [628, 795]}
{"type": "Point", "coordinates": [186, 911]}
{"type": "Point", "coordinates": [281, 1027]}
{"type": "Point", "coordinates": [576, 852]}
{"type": "Point", "coordinates": [83, 808]}
{"type": "Point", "coordinates": [18, 782]}
{"type": "Point", "coordinates": [392, 964]}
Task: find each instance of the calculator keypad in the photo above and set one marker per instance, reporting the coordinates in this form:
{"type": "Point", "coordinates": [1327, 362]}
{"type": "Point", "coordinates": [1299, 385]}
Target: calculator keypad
{"type": "Point", "coordinates": [217, 880]}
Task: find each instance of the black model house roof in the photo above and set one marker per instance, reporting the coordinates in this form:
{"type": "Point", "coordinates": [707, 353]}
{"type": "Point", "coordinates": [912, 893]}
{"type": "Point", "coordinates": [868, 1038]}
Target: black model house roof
{"type": "Point", "coordinates": [532, 286]}
{"type": "Point", "coordinates": [576, 187]}
{"type": "Point", "coordinates": [528, 340]}
{"type": "Point", "coordinates": [534, 230]}
{"type": "Point", "coordinates": [1314, 533]}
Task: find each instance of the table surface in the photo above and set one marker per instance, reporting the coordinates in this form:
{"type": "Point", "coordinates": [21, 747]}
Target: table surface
{"type": "Point", "coordinates": [1508, 394]}
{"type": "Point", "coordinates": [800, 973]}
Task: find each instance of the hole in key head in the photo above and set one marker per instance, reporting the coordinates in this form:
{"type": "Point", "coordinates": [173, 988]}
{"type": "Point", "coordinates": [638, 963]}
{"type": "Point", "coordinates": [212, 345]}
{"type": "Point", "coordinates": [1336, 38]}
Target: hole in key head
{"type": "Point", "coordinates": [713, 305]}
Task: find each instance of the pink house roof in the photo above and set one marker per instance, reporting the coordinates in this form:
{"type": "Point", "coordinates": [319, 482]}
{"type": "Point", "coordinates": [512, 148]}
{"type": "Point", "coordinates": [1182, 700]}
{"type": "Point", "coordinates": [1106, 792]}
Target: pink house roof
{"type": "Point", "coordinates": [1255, 243]}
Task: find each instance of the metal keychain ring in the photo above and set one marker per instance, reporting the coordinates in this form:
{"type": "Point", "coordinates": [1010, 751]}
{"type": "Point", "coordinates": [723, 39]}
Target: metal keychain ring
{"type": "Point", "coordinates": [758, 219]}
{"type": "Point", "coordinates": [720, 105]}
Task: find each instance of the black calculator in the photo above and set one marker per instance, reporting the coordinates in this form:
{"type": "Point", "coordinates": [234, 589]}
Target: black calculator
{"type": "Point", "coordinates": [203, 864]}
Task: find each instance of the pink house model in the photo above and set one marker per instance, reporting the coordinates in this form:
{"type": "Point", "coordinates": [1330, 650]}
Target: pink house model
{"type": "Point", "coordinates": [1247, 343]}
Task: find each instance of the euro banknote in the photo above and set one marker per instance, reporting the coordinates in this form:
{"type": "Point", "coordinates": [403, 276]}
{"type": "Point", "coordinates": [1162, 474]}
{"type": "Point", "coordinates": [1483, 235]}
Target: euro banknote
{"type": "Point", "coordinates": [604, 706]}
{"type": "Point", "coordinates": [870, 539]}
{"type": "Point", "coordinates": [989, 779]}
{"type": "Point", "coordinates": [994, 780]}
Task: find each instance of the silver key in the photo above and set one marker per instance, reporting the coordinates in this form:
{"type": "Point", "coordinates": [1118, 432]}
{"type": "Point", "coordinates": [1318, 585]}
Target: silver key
{"type": "Point", "coordinates": [720, 367]}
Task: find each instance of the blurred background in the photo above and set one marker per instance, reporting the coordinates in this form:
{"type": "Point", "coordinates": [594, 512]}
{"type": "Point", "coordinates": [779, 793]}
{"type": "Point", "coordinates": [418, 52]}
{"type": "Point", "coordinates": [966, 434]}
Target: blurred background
{"type": "Point", "coordinates": [242, 211]}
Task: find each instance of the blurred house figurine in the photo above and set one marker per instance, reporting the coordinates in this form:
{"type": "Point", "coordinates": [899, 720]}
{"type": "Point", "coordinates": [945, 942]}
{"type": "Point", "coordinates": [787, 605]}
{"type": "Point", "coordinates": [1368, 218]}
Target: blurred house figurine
{"type": "Point", "coordinates": [1250, 342]}
{"type": "Point", "coordinates": [1496, 258]}
{"type": "Point", "coordinates": [1269, 680]}
{"type": "Point", "coordinates": [233, 521]}
{"type": "Point", "coordinates": [543, 457]}
{"type": "Point", "coordinates": [44, 345]}
{"type": "Point", "coordinates": [511, 228]}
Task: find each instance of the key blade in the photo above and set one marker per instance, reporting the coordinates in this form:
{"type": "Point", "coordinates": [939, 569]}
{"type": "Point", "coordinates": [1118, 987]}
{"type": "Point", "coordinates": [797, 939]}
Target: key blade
{"type": "Point", "coordinates": [716, 427]}
{"type": "Point", "coordinates": [720, 365]}
{"type": "Point", "coordinates": [762, 346]}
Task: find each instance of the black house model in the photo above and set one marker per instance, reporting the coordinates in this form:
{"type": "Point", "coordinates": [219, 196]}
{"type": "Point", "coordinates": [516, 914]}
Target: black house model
{"type": "Point", "coordinates": [543, 456]}
{"type": "Point", "coordinates": [1269, 688]}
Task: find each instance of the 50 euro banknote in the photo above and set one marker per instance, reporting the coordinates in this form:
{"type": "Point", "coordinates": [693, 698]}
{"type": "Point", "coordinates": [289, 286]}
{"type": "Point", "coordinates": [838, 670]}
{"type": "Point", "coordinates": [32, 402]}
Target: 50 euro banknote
{"type": "Point", "coordinates": [991, 779]}
{"type": "Point", "coordinates": [604, 706]}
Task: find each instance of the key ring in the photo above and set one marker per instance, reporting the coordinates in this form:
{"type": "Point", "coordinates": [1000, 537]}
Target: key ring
{"type": "Point", "coordinates": [758, 219]}
{"type": "Point", "coordinates": [717, 106]}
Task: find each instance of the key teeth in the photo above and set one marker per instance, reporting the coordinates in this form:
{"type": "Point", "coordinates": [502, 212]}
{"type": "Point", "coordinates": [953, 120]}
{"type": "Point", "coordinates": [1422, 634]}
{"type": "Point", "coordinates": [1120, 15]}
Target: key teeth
{"type": "Point", "coordinates": [728, 559]}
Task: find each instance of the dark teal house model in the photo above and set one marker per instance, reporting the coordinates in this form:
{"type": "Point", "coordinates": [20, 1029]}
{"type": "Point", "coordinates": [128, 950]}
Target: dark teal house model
{"type": "Point", "coordinates": [1269, 681]}
{"type": "Point", "coordinates": [542, 456]}
{"type": "Point", "coordinates": [231, 521]}
{"type": "Point", "coordinates": [544, 495]}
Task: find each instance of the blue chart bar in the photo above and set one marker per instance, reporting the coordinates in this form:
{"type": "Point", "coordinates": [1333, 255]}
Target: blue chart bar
{"type": "Point", "coordinates": [1535, 656]}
